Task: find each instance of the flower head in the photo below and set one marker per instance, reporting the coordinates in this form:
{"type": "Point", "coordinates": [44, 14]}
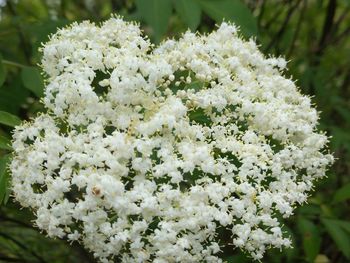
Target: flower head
{"type": "Point", "coordinates": [146, 152]}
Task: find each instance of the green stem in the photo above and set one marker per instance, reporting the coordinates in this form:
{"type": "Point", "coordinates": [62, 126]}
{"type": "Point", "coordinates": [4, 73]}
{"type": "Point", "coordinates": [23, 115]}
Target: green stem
{"type": "Point", "coordinates": [11, 63]}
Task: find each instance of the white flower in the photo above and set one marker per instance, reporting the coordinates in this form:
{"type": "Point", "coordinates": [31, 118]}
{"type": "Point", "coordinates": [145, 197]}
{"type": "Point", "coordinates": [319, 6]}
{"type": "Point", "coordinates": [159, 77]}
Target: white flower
{"type": "Point", "coordinates": [145, 152]}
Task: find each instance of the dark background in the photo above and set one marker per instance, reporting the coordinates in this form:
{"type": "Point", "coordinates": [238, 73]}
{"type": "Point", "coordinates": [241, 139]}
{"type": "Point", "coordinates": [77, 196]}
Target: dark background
{"type": "Point", "coordinates": [313, 35]}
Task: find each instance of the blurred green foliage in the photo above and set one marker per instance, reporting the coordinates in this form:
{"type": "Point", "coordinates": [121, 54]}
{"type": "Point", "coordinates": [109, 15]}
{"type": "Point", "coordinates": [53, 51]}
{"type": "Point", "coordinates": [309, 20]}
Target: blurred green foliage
{"type": "Point", "coordinates": [314, 35]}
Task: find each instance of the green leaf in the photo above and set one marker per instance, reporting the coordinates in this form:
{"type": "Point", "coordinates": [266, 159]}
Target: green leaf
{"type": "Point", "coordinates": [199, 116]}
{"type": "Point", "coordinates": [342, 194]}
{"type": "Point", "coordinates": [291, 253]}
{"type": "Point", "coordinates": [196, 85]}
{"type": "Point", "coordinates": [346, 2]}
{"type": "Point", "coordinates": [343, 111]}
{"type": "Point", "coordinates": [344, 224]}
{"type": "Point", "coordinates": [239, 258]}
{"type": "Point", "coordinates": [309, 209]}
{"type": "Point", "coordinates": [9, 119]}
{"type": "Point", "coordinates": [340, 237]}
{"type": "Point", "coordinates": [341, 138]}
{"type": "Point", "coordinates": [32, 80]}
{"type": "Point", "coordinates": [231, 10]}
{"type": "Point", "coordinates": [32, 8]}
{"type": "Point", "coordinates": [3, 177]}
{"type": "Point", "coordinates": [2, 72]}
{"type": "Point", "coordinates": [41, 31]}
{"type": "Point", "coordinates": [13, 96]}
{"type": "Point", "coordinates": [5, 143]}
{"type": "Point", "coordinates": [311, 238]}
{"type": "Point", "coordinates": [189, 11]}
{"type": "Point", "coordinates": [156, 13]}
{"type": "Point", "coordinates": [7, 194]}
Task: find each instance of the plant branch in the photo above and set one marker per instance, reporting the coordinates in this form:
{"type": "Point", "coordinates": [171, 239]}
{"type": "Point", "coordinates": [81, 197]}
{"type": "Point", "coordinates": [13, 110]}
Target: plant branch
{"type": "Point", "coordinates": [261, 13]}
{"type": "Point", "coordinates": [77, 246]}
{"type": "Point", "coordinates": [297, 30]}
{"type": "Point", "coordinates": [15, 221]}
{"type": "Point", "coordinates": [274, 17]}
{"type": "Point", "coordinates": [327, 26]}
{"type": "Point", "coordinates": [343, 34]}
{"type": "Point", "coordinates": [341, 19]}
{"type": "Point", "coordinates": [4, 258]}
{"type": "Point", "coordinates": [283, 26]}
{"type": "Point", "coordinates": [12, 63]}
{"type": "Point", "coordinates": [22, 246]}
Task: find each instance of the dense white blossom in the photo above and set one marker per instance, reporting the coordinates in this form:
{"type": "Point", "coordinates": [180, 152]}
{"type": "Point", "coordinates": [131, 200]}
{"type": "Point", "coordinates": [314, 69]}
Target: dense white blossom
{"type": "Point", "coordinates": [147, 154]}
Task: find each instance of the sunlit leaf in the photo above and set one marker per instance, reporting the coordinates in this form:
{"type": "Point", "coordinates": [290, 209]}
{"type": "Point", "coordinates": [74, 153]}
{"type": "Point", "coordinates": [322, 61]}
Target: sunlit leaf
{"type": "Point", "coordinates": [189, 11]}
{"type": "Point", "coordinates": [9, 119]}
{"type": "Point", "coordinates": [5, 143]}
{"type": "Point", "coordinates": [156, 14]}
{"type": "Point", "coordinates": [231, 10]}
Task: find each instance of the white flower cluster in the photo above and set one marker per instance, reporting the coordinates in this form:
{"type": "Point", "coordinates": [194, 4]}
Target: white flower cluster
{"type": "Point", "coordinates": [168, 153]}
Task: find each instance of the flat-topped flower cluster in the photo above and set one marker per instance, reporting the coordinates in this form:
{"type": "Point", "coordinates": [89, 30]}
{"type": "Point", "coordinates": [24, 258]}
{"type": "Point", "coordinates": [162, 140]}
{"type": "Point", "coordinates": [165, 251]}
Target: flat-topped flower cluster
{"type": "Point", "coordinates": [168, 153]}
